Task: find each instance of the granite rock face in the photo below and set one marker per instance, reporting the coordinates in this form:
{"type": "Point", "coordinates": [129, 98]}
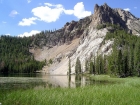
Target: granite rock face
{"type": "Point", "coordinates": [81, 39]}
{"type": "Point", "coordinates": [105, 14]}
{"type": "Point", "coordinates": [66, 34]}
{"type": "Point", "coordinates": [132, 22]}
{"type": "Point", "coordinates": [76, 29]}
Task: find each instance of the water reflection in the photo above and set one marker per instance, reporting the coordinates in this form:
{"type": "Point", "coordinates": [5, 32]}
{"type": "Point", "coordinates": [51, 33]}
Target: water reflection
{"type": "Point", "coordinates": [21, 75]}
{"type": "Point", "coordinates": [66, 81]}
{"type": "Point", "coordinates": [38, 81]}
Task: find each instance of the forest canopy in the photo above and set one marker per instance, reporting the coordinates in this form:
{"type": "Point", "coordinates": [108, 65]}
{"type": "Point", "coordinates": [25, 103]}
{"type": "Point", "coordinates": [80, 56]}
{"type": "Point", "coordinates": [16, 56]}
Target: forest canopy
{"type": "Point", "coordinates": [15, 56]}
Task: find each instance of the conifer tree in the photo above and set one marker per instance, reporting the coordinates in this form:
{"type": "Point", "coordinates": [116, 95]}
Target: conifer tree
{"type": "Point", "coordinates": [92, 69]}
{"type": "Point", "coordinates": [86, 65]}
{"type": "Point", "coordinates": [69, 66]}
{"type": "Point", "coordinates": [78, 66]}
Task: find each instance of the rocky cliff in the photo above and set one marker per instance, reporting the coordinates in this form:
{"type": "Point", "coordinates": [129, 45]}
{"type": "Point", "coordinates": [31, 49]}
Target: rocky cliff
{"type": "Point", "coordinates": [132, 22]}
{"type": "Point", "coordinates": [66, 34]}
{"type": "Point", "coordinates": [105, 14]}
{"type": "Point", "coordinates": [82, 39]}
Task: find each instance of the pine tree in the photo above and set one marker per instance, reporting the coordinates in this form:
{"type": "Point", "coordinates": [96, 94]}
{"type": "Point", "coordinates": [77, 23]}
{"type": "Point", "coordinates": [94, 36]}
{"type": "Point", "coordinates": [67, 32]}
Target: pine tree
{"type": "Point", "coordinates": [78, 66]}
{"type": "Point", "coordinates": [69, 66]}
{"type": "Point", "coordinates": [86, 65]}
{"type": "Point", "coordinates": [120, 62]}
{"type": "Point", "coordinates": [92, 69]}
{"type": "Point", "coordinates": [137, 57]}
{"type": "Point", "coordinates": [130, 61]}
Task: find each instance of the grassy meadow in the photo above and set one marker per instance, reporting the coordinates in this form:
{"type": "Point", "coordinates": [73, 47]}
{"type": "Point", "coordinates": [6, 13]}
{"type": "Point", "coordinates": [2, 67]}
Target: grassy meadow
{"type": "Point", "coordinates": [126, 91]}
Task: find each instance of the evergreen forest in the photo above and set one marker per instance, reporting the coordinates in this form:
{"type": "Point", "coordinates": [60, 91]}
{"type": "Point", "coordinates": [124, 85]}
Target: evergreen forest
{"type": "Point", "coordinates": [15, 56]}
{"type": "Point", "coordinates": [124, 59]}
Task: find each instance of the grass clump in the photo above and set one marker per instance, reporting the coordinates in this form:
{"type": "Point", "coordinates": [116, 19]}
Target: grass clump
{"type": "Point", "coordinates": [124, 93]}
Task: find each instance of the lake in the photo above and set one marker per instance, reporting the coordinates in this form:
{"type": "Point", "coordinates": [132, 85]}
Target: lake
{"type": "Point", "coordinates": [38, 80]}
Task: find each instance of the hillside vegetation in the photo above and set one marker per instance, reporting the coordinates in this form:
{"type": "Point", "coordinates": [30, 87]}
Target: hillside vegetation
{"type": "Point", "coordinates": [15, 56]}
{"type": "Point", "coordinates": [124, 59]}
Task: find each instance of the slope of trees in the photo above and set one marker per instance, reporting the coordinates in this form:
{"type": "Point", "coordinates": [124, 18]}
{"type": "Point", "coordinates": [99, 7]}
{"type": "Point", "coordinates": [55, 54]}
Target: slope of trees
{"type": "Point", "coordinates": [125, 58]}
{"type": "Point", "coordinates": [123, 61]}
{"type": "Point", "coordinates": [15, 56]}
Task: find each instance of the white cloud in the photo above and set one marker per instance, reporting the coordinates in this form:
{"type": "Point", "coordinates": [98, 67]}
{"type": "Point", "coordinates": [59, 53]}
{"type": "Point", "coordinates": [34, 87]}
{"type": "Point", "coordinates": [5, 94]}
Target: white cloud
{"type": "Point", "coordinates": [79, 11]}
{"type": "Point", "coordinates": [127, 9]}
{"type": "Point", "coordinates": [29, 1]}
{"type": "Point", "coordinates": [48, 4]}
{"type": "Point", "coordinates": [47, 13]}
{"type": "Point", "coordinates": [13, 13]}
{"type": "Point", "coordinates": [69, 12]}
{"type": "Point", "coordinates": [27, 34]}
{"type": "Point", "coordinates": [27, 22]}
{"type": "Point", "coordinates": [8, 34]}
{"type": "Point", "coordinates": [52, 12]}
{"type": "Point", "coordinates": [135, 7]}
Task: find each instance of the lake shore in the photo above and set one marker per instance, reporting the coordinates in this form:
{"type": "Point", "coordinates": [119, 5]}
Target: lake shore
{"type": "Point", "coordinates": [126, 91]}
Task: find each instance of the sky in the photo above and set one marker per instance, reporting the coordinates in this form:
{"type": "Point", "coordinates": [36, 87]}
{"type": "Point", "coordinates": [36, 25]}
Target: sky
{"type": "Point", "coordinates": [28, 17]}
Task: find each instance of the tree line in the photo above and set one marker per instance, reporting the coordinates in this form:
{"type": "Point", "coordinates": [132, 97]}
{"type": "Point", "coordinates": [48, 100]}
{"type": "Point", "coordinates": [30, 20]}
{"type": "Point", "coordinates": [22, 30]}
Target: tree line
{"type": "Point", "coordinates": [15, 56]}
{"type": "Point", "coordinates": [123, 61]}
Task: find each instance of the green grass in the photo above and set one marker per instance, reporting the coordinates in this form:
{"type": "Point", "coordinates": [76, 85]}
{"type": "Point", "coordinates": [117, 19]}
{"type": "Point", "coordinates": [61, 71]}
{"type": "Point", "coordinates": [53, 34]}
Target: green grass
{"type": "Point", "coordinates": [125, 92]}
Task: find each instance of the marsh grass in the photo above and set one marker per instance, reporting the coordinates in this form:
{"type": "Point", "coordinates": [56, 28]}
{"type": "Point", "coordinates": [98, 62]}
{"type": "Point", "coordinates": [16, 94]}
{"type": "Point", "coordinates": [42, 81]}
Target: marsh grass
{"type": "Point", "coordinates": [125, 92]}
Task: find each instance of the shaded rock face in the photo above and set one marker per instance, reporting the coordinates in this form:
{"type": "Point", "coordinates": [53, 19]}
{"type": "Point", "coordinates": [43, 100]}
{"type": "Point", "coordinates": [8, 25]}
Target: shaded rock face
{"type": "Point", "coordinates": [102, 14]}
{"type": "Point", "coordinates": [105, 14]}
{"type": "Point", "coordinates": [69, 32]}
{"type": "Point", "coordinates": [132, 23]}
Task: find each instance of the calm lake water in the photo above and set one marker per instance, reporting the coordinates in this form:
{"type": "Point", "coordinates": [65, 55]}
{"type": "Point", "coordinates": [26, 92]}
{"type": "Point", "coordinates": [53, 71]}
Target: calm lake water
{"type": "Point", "coordinates": [36, 81]}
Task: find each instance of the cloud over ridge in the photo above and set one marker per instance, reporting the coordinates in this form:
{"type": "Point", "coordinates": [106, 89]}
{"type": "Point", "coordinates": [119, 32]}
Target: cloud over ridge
{"type": "Point", "coordinates": [47, 13]}
{"type": "Point", "coordinates": [52, 12]}
{"type": "Point", "coordinates": [27, 34]}
{"type": "Point", "coordinates": [127, 9]}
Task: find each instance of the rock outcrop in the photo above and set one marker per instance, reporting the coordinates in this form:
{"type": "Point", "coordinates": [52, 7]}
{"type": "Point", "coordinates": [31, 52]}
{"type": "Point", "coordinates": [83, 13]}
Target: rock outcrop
{"type": "Point", "coordinates": [105, 14]}
{"type": "Point", "coordinates": [132, 23]}
{"type": "Point", "coordinates": [69, 32]}
{"type": "Point", "coordinates": [82, 39]}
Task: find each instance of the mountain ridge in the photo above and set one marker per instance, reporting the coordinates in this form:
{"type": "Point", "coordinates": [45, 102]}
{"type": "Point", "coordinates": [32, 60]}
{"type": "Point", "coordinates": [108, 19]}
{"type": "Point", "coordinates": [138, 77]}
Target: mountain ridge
{"type": "Point", "coordinates": [88, 38]}
{"type": "Point", "coordinates": [107, 42]}
{"type": "Point", "coordinates": [102, 14]}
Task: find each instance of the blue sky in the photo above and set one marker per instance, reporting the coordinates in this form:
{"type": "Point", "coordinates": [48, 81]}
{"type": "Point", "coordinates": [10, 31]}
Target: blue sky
{"type": "Point", "coordinates": [26, 17]}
